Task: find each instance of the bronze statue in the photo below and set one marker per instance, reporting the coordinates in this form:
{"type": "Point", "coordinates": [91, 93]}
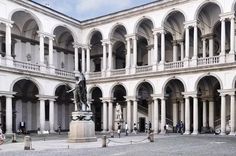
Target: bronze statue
{"type": "Point", "coordinates": [80, 93]}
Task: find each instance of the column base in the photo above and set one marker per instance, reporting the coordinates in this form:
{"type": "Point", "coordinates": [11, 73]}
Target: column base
{"type": "Point", "coordinates": [194, 62]}
{"type": "Point", "coordinates": [222, 58]}
{"type": "Point", "coordinates": [127, 71]}
{"type": "Point", "coordinates": [161, 66]}
{"type": "Point", "coordinates": [186, 62]}
{"type": "Point", "coordinates": [232, 133]}
{"type": "Point", "coordinates": [187, 133]}
{"type": "Point", "coordinates": [163, 132]}
{"type": "Point", "coordinates": [43, 68]}
{"type": "Point", "coordinates": [195, 133]}
{"type": "Point", "coordinates": [133, 70]}
{"type": "Point", "coordinates": [223, 133]}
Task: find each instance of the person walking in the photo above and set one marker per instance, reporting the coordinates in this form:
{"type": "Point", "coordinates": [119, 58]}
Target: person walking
{"type": "Point", "coordinates": [181, 127]}
{"type": "Point", "coordinates": [2, 136]}
{"type": "Point", "coordinates": [135, 128]}
{"type": "Point", "coordinates": [149, 126]}
{"type": "Point", "coordinates": [167, 127]}
{"type": "Point", "coordinates": [126, 129]}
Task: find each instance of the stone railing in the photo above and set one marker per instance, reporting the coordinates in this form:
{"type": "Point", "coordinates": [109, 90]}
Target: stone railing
{"type": "Point", "coordinates": [118, 72]}
{"type": "Point", "coordinates": [143, 69]}
{"type": "Point", "coordinates": [26, 66]}
{"type": "Point", "coordinates": [174, 65]}
{"type": "Point", "coordinates": [208, 60]}
{"type": "Point", "coordinates": [95, 74]}
{"type": "Point", "coordinates": [64, 73]}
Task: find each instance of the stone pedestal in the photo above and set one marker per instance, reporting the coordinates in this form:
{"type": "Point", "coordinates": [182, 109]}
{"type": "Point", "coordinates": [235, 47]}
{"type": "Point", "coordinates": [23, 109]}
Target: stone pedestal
{"type": "Point", "coordinates": [82, 128]}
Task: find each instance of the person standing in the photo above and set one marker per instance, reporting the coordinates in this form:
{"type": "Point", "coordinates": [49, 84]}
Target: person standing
{"type": "Point", "coordinates": [118, 130]}
{"type": "Point", "coordinates": [167, 127]}
{"type": "Point", "coordinates": [126, 129]}
{"type": "Point", "coordinates": [150, 126]}
{"type": "Point", "coordinates": [2, 137]}
{"type": "Point", "coordinates": [181, 127]}
{"type": "Point", "coordinates": [135, 128]}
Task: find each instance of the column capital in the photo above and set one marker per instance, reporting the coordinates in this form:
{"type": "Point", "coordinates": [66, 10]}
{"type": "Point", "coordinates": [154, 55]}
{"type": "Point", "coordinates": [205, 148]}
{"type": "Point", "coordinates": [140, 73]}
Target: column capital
{"type": "Point", "coordinates": [77, 45]}
{"type": "Point", "coordinates": [45, 34]}
{"type": "Point", "coordinates": [157, 96]}
{"type": "Point", "coordinates": [190, 94]}
{"type": "Point", "coordinates": [192, 23]}
{"type": "Point", "coordinates": [132, 36]}
{"type": "Point", "coordinates": [6, 21]}
{"type": "Point", "coordinates": [225, 92]}
{"type": "Point", "coordinates": [7, 94]}
{"type": "Point", "coordinates": [46, 97]}
{"type": "Point", "coordinates": [227, 15]}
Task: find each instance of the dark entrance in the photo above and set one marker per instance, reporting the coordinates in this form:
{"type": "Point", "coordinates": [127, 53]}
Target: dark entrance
{"type": "Point", "coordinates": [142, 122]}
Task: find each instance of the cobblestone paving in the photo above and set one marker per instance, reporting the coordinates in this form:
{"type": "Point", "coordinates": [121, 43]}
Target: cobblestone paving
{"type": "Point", "coordinates": [164, 145]}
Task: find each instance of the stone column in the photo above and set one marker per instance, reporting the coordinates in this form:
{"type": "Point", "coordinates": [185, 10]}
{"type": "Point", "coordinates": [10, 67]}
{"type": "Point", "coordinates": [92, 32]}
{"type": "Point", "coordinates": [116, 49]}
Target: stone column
{"type": "Point", "coordinates": [211, 46]}
{"type": "Point", "coordinates": [232, 35]}
{"type": "Point", "coordinates": [128, 56]}
{"type": "Point", "coordinates": [9, 114]}
{"type": "Point", "coordinates": [163, 57]}
{"type": "Point", "coordinates": [110, 113]}
{"type": "Point", "coordinates": [88, 59]}
{"type": "Point", "coordinates": [104, 59]}
{"type": "Point", "coordinates": [223, 37]}
{"type": "Point", "coordinates": [204, 113]}
{"type": "Point", "coordinates": [8, 41]}
{"type": "Point", "coordinates": [182, 50]}
{"type": "Point", "coordinates": [187, 115]}
{"type": "Point", "coordinates": [76, 58]}
{"type": "Point", "coordinates": [204, 48]}
{"type": "Point", "coordinates": [155, 52]}
{"type": "Point", "coordinates": [175, 51]}
{"type": "Point", "coordinates": [42, 114]}
{"type": "Point", "coordinates": [211, 114]}
{"type": "Point", "coordinates": [110, 56]}
{"type": "Point", "coordinates": [129, 115]}
{"type": "Point", "coordinates": [50, 55]}
{"type": "Point", "coordinates": [134, 52]}
{"type": "Point", "coordinates": [186, 42]}
{"type": "Point", "coordinates": [232, 114]}
{"type": "Point", "coordinates": [135, 111]}
{"type": "Point", "coordinates": [51, 115]}
{"type": "Point", "coordinates": [163, 115]}
{"type": "Point", "coordinates": [182, 111]}
{"type": "Point", "coordinates": [195, 44]}
{"type": "Point", "coordinates": [104, 116]}
{"type": "Point", "coordinates": [41, 49]}
{"type": "Point", "coordinates": [223, 114]}
{"type": "Point", "coordinates": [175, 114]}
{"type": "Point", "coordinates": [83, 60]}
{"type": "Point", "coordinates": [195, 115]}
{"type": "Point", "coordinates": [156, 116]}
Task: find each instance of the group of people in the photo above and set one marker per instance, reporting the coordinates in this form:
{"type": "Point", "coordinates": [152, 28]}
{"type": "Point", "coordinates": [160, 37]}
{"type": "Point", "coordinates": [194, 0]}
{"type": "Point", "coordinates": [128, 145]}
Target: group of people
{"type": "Point", "coordinates": [180, 127]}
{"type": "Point", "coordinates": [135, 130]}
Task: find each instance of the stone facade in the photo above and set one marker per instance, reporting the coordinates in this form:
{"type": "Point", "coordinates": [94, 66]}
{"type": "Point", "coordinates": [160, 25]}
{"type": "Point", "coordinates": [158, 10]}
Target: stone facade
{"type": "Point", "coordinates": [163, 62]}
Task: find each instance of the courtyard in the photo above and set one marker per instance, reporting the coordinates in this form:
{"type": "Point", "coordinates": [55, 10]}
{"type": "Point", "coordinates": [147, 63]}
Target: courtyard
{"type": "Point", "coordinates": [135, 145]}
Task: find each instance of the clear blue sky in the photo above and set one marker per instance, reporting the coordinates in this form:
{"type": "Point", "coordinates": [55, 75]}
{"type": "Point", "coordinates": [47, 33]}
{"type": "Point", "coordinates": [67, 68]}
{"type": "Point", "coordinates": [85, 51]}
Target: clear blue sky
{"type": "Point", "coordinates": [86, 9]}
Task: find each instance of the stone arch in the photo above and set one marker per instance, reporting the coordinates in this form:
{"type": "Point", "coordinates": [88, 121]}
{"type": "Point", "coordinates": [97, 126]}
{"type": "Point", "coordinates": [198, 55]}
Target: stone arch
{"type": "Point", "coordinates": [208, 74]}
{"type": "Point", "coordinates": [38, 21]}
{"type": "Point", "coordinates": [202, 5]}
{"type": "Point", "coordinates": [111, 92]}
{"type": "Point", "coordinates": [136, 88]}
{"type": "Point", "coordinates": [91, 89]}
{"type": "Point", "coordinates": [38, 85]}
{"type": "Point", "coordinates": [67, 27]}
{"type": "Point", "coordinates": [165, 17]}
{"type": "Point", "coordinates": [113, 28]}
{"type": "Point", "coordinates": [140, 20]}
{"type": "Point", "coordinates": [174, 78]}
{"type": "Point", "coordinates": [61, 84]}
{"type": "Point", "coordinates": [91, 33]}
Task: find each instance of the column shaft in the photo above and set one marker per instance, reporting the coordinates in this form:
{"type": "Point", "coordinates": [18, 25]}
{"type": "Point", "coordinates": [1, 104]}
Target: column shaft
{"type": "Point", "coordinates": [104, 57]}
{"type": "Point", "coordinates": [211, 44]}
{"type": "Point", "coordinates": [9, 115]}
{"type": "Point", "coordinates": [42, 114]}
{"type": "Point", "coordinates": [163, 57]}
{"type": "Point", "coordinates": [104, 116]}
{"type": "Point", "coordinates": [76, 59]}
{"type": "Point", "coordinates": [232, 114]}
{"type": "Point", "coordinates": [187, 43]}
{"type": "Point", "coordinates": [83, 60]}
{"type": "Point", "coordinates": [175, 52]}
{"type": "Point", "coordinates": [88, 60]}
{"type": "Point", "coordinates": [182, 111]}
{"type": "Point", "coordinates": [175, 114]}
{"type": "Point", "coordinates": [155, 53]}
{"type": "Point", "coordinates": [204, 114]}
{"type": "Point", "coordinates": [195, 115]}
{"type": "Point", "coordinates": [204, 48]}
{"type": "Point", "coordinates": [50, 51]}
{"type": "Point", "coordinates": [223, 115]}
{"type": "Point", "coordinates": [110, 57]}
{"type": "Point", "coordinates": [187, 115]}
{"type": "Point", "coordinates": [110, 116]}
{"type": "Point", "coordinates": [195, 44]}
{"type": "Point", "coordinates": [134, 52]}
{"type": "Point", "coordinates": [156, 116]}
{"type": "Point", "coordinates": [222, 36]}
{"type": "Point", "coordinates": [135, 111]}
{"type": "Point", "coordinates": [211, 114]}
{"type": "Point", "coordinates": [8, 40]}
{"type": "Point", "coordinates": [232, 36]}
{"type": "Point", "coordinates": [163, 115]}
{"type": "Point", "coordinates": [129, 114]}
{"type": "Point", "coordinates": [182, 50]}
{"type": "Point", "coordinates": [41, 49]}
{"type": "Point", "coordinates": [51, 116]}
{"type": "Point", "coordinates": [128, 61]}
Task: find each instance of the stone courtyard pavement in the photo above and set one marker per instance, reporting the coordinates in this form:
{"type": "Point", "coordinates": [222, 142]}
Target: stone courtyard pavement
{"type": "Point", "coordinates": [173, 144]}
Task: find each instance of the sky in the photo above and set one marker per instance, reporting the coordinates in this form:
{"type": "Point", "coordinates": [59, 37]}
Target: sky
{"type": "Point", "coordinates": [86, 9]}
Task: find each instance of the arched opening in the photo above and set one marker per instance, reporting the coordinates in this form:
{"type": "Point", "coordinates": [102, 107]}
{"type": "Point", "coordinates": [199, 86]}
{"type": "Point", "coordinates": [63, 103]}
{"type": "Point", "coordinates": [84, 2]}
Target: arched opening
{"type": "Point", "coordinates": [119, 47]}
{"type": "Point", "coordinates": [174, 25]}
{"type": "Point", "coordinates": [96, 107]}
{"type": "Point", "coordinates": [63, 52]}
{"type": "Point", "coordinates": [174, 103]}
{"type": "Point", "coordinates": [63, 107]}
{"type": "Point", "coordinates": [145, 110]}
{"type": "Point", "coordinates": [145, 42]}
{"type": "Point", "coordinates": [96, 51]}
{"type": "Point", "coordinates": [26, 106]}
{"type": "Point", "coordinates": [209, 104]}
{"type": "Point", "coordinates": [25, 40]}
{"type": "Point", "coordinates": [210, 27]}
